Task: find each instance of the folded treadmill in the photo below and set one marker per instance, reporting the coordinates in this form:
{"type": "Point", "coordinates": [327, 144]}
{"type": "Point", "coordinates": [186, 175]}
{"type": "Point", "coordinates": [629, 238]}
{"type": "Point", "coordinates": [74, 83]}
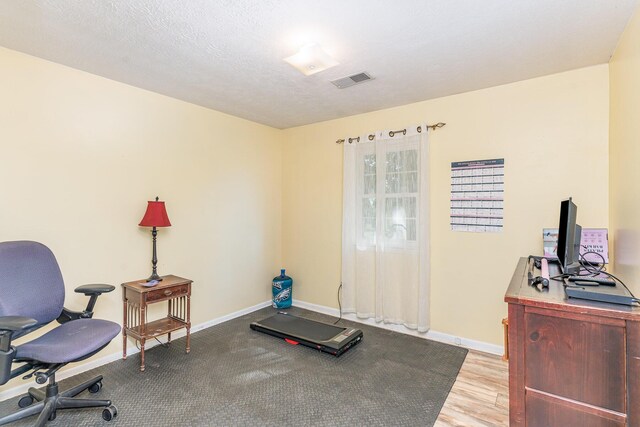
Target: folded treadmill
{"type": "Point", "coordinates": [295, 330]}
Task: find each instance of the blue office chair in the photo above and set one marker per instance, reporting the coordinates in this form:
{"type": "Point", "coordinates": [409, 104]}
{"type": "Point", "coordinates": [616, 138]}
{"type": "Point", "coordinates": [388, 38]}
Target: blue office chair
{"type": "Point", "coordinates": [31, 296]}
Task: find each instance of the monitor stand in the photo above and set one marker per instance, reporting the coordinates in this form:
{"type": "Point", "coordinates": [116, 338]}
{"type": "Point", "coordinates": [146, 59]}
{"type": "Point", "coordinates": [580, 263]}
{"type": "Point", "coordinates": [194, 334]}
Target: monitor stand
{"type": "Point", "coordinates": [571, 269]}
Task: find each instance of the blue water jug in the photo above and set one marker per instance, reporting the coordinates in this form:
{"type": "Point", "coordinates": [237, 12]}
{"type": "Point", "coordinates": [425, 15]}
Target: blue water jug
{"type": "Point", "coordinates": [281, 289]}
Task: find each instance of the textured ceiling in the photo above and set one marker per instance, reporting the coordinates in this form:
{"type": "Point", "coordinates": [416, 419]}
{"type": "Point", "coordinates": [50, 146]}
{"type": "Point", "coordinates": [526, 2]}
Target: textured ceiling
{"type": "Point", "coordinates": [227, 54]}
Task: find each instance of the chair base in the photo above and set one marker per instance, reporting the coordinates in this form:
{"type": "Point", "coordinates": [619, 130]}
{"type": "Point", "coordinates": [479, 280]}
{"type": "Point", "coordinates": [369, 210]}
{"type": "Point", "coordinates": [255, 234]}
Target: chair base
{"type": "Point", "coordinates": [48, 402]}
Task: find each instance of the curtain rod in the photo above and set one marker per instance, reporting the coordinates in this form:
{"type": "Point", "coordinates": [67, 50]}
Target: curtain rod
{"type": "Point", "coordinates": [392, 133]}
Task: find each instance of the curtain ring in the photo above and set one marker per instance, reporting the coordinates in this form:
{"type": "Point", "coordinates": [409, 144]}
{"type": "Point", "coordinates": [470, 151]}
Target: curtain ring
{"type": "Point", "coordinates": [371, 137]}
{"type": "Point", "coordinates": [393, 132]}
{"type": "Point", "coordinates": [419, 129]}
{"type": "Point", "coordinates": [354, 139]}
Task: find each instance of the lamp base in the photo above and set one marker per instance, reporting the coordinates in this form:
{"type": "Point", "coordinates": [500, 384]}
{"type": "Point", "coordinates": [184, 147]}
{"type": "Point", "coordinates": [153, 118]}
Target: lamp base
{"type": "Point", "coordinates": [155, 277]}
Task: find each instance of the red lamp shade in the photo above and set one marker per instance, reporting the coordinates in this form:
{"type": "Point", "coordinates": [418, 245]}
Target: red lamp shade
{"type": "Point", "coordinates": [155, 216]}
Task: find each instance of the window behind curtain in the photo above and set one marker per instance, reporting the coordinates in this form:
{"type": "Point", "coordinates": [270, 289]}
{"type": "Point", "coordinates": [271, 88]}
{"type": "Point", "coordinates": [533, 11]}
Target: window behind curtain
{"type": "Point", "coordinates": [396, 189]}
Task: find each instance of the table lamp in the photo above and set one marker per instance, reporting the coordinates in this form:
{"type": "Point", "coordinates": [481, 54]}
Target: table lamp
{"type": "Point", "coordinates": [155, 216]}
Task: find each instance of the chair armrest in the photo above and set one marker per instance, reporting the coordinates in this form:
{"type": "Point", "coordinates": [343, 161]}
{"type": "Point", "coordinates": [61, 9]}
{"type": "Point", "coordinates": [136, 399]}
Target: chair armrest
{"type": "Point", "coordinates": [16, 323]}
{"type": "Point", "coordinates": [8, 326]}
{"type": "Point", "coordinates": [95, 289]}
{"type": "Point", "coordinates": [11, 324]}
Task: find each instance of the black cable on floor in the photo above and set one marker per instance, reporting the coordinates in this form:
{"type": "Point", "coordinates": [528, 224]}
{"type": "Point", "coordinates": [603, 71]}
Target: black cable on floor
{"type": "Point", "coordinates": [339, 303]}
{"type": "Point", "coordinates": [164, 344]}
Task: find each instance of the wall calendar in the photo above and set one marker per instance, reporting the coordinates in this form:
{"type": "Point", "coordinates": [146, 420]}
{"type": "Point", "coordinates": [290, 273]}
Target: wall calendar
{"type": "Point", "coordinates": [477, 196]}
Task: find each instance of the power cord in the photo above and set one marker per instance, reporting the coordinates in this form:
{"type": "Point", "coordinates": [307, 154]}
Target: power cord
{"type": "Point", "coordinates": [339, 303]}
{"type": "Point", "coordinates": [600, 269]}
{"type": "Point", "coordinates": [163, 344]}
{"type": "Point", "coordinates": [591, 268]}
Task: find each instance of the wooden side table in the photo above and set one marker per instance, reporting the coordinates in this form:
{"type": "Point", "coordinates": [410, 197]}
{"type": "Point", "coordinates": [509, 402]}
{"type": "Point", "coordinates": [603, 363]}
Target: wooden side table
{"type": "Point", "coordinates": [136, 297]}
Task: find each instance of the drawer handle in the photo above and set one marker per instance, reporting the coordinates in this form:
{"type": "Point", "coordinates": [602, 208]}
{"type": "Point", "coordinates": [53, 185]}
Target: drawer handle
{"type": "Point", "coordinates": [167, 292]}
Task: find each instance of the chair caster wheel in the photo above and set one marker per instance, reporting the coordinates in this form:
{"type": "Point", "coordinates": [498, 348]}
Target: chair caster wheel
{"type": "Point", "coordinates": [95, 387]}
{"type": "Point", "coordinates": [109, 413]}
{"type": "Point", "coordinates": [25, 401]}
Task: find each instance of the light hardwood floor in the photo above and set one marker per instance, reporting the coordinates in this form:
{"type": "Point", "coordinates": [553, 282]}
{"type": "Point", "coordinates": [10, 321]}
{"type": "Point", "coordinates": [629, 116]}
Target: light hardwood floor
{"type": "Point", "coordinates": [480, 395]}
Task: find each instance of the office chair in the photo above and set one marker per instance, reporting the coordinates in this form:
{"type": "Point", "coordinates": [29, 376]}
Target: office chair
{"type": "Point", "coordinates": [31, 296]}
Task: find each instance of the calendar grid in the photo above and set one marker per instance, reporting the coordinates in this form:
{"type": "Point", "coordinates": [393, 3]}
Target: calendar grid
{"type": "Point", "coordinates": [477, 196]}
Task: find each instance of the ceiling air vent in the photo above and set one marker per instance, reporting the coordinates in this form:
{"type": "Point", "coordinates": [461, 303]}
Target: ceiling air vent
{"type": "Point", "coordinates": [351, 80]}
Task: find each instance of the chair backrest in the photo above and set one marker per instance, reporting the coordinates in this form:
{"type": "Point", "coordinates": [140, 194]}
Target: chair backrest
{"type": "Point", "coordinates": [31, 284]}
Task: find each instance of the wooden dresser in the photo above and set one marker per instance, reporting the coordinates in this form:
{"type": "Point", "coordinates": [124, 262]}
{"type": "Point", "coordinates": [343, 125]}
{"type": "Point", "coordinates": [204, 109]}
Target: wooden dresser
{"type": "Point", "coordinates": [571, 362]}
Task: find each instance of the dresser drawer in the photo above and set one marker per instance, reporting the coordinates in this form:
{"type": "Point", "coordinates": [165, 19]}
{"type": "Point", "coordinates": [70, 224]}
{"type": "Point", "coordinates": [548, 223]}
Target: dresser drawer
{"type": "Point", "coordinates": [167, 293]}
{"type": "Point", "coordinates": [545, 411]}
{"type": "Point", "coordinates": [582, 359]}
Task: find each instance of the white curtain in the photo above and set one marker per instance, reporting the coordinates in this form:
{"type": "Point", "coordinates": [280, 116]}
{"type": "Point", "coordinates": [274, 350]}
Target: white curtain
{"type": "Point", "coordinates": [385, 228]}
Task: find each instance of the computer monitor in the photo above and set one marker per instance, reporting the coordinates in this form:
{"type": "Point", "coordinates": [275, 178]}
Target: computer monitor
{"type": "Point", "coordinates": [569, 234]}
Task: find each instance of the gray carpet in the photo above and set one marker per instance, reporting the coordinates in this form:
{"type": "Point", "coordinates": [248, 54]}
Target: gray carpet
{"type": "Point", "coordinates": [238, 377]}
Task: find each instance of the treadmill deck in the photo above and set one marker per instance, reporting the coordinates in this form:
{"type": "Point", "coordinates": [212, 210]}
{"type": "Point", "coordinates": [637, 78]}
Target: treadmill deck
{"type": "Point", "coordinates": [321, 336]}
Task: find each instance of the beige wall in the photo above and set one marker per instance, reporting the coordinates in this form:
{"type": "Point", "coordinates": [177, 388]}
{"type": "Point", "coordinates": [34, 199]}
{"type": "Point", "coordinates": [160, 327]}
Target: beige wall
{"type": "Point", "coordinates": [81, 155]}
{"type": "Point", "coordinates": [550, 130]}
{"type": "Point", "coordinates": [624, 151]}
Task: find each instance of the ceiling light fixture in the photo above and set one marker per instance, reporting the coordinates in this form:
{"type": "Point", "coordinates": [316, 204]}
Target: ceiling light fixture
{"type": "Point", "coordinates": [311, 59]}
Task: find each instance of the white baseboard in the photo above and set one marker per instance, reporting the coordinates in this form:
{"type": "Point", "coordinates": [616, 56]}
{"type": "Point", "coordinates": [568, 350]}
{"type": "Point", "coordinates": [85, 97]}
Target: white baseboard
{"type": "Point", "coordinates": [431, 334]}
{"type": "Point", "coordinates": [482, 346]}
{"type": "Point", "coordinates": [78, 369]}
{"type": "Point", "coordinates": [225, 318]}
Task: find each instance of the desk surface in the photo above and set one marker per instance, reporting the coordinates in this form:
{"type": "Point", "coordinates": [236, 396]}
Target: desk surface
{"type": "Point", "coordinates": [167, 282]}
{"type": "Point", "coordinates": [520, 292]}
